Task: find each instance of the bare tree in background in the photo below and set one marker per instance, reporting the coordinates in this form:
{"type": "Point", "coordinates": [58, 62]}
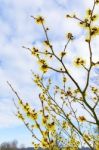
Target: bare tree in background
{"type": "Point", "coordinates": [9, 145]}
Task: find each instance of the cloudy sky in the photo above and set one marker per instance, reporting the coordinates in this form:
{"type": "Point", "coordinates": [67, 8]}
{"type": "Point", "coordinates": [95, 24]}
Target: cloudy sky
{"type": "Point", "coordinates": [17, 28]}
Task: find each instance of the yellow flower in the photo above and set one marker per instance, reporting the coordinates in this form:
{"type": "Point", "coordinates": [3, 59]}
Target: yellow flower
{"type": "Point", "coordinates": [65, 124]}
{"type": "Point", "coordinates": [97, 144]}
{"type": "Point", "coordinates": [86, 23]}
{"type": "Point", "coordinates": [94, 17]}
{"type": "Point", "coordinates": [89, 12]}
{"type": "Point", "coordinates": [94, 89]}
{"type": "Point", "coordinates": [68, 16]}
{"type": "Point", "coordinates": [94, 31]}
{"type": "Point", "coordinates": [44, 120]}
{"type": "Point", "coordinates": [52, 143]}
{"type": "Point", "coordinates": [44, 143]}
{"type": "Point", "coordinates": [51, 126]}
{"type": "Point", "coordinates": [87, 40]}
{"type": "Point", "coordinates": [45, 133]}
{"type": "Point", "coordinates": [70, 36]}
{"type": "Point", "coordinates": [34, 51]}
{"type": "Point", "coordinates": [86, 137]}
{"type": "Point", "coordinates": [26, 107]}
{"type": "Point", "coordinates": [36, 146]}
{"type": "Point", "coordinates": [20, 116]}
{"type": "Point", "coordinates": [20, 102]}
{"type": "Point", "coordinates": [97, 1]}
{"type": "Point", "coordinates": [82, 118]}
{"type": "Point", "coordinates": [34, 116]}
{"type": "Point", "coordinates": [64, 79]}
{"type": "Point", "coordinates": [41, 61]}
{"type": "Point", "coordinates": [39, 20]}
{"type": "Point", "coordinates": [47, 44]}
{"type": "Point", "coordinates": [68, 93]}
{"type": "Point", "coordinates": [79, 62]}
{"type": "Point", "coordinates": [44, 68]}
{"type": "Point", "coordinates": [62, 54]}
{"type": "Point", "coordinates": [43, 65]}
{"type": "Point", "coordinates": [76, 91]}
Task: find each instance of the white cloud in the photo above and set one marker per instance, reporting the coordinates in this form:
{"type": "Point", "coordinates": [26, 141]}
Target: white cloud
{"type": "Point", "coordinates": [7, 116]}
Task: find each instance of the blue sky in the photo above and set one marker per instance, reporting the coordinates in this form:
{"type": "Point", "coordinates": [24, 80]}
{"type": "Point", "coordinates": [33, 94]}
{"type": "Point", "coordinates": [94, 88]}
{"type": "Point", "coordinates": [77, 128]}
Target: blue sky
{"type": "Point", "coordinates": [17, 29]}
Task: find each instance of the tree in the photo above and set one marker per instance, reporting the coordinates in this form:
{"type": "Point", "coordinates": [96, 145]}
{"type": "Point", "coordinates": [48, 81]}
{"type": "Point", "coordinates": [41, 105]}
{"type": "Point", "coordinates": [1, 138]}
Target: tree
{"type": "Point", "coordinates": [59, 122]}
{"type": "Point", "coordinates": [9, 146]}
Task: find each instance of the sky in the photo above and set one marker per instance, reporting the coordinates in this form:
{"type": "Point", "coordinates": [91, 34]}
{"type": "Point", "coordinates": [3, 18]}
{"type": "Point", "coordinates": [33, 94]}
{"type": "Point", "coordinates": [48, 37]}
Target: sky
{"type": "Point", "coordinates": [17, 28]}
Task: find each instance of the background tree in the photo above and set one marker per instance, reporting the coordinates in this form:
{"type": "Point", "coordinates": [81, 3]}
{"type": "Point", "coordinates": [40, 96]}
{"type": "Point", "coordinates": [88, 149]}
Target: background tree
{"type": "Point", "coordinates": [67, 113]}
{"type": "Point", "coordinates": [9, 146]}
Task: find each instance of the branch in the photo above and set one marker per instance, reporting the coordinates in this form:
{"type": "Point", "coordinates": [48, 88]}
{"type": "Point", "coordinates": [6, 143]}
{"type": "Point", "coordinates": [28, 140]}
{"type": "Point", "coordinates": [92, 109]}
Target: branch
{"type": "Point", "coordinates": [13, 90]}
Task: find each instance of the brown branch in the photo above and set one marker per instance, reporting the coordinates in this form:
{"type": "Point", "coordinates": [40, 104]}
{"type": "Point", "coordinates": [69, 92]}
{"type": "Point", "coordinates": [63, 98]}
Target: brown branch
{"type": "Point", "coordinates": [13, 90]}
